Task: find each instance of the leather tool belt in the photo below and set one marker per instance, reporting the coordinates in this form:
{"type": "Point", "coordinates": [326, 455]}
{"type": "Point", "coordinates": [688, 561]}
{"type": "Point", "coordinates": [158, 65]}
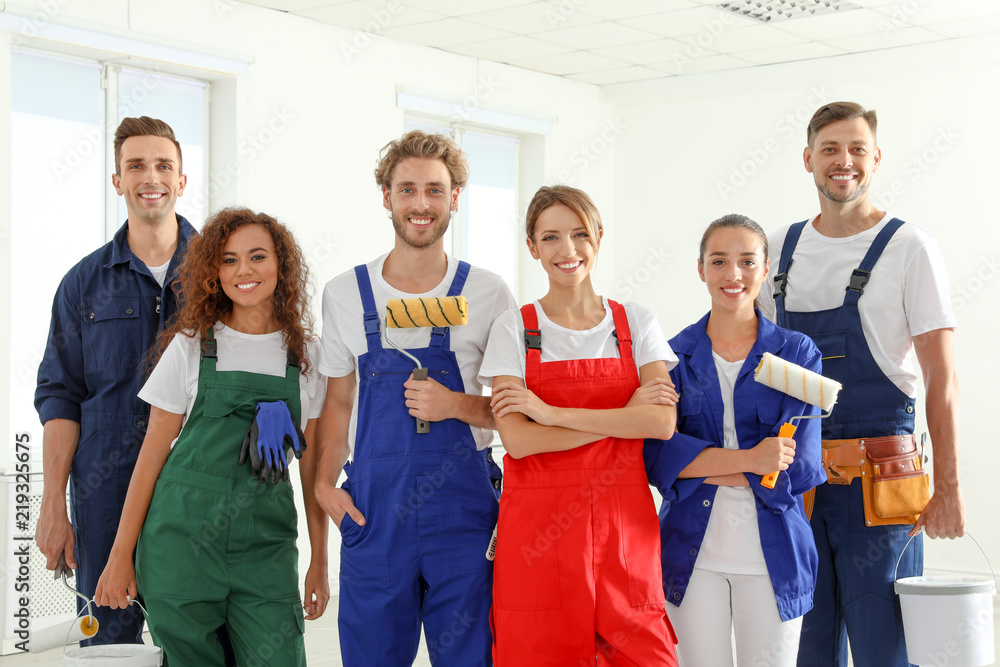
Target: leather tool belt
{"type": "Point", "coordinates": [894, 484]}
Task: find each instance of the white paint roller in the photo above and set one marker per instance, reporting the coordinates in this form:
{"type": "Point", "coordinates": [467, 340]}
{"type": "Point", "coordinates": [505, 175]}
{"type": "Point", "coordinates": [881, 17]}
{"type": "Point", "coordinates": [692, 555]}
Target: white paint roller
{"type": "Point", "coordinates": [61, 633]}
{"type": "Point", "coordinates": [800, 383]}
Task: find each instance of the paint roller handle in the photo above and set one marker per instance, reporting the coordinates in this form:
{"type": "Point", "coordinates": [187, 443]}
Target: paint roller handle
{"type": "Point", "coordinates": [787, 430]}
{"type": "Point", "coordinates": [420, 373]}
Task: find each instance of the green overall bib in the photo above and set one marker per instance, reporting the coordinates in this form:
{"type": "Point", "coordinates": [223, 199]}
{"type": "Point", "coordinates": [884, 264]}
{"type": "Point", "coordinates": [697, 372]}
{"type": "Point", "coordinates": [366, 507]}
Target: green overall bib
{"type": "Point", "coordinates": [218, 546]}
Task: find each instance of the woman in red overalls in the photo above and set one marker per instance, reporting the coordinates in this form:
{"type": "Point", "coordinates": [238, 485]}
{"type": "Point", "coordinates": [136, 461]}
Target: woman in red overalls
{"type": "Point", "coordinates": [578, 382]}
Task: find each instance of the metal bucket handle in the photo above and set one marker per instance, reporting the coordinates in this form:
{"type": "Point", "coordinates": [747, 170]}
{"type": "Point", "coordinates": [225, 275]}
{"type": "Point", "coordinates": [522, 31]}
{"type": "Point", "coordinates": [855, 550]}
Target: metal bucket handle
{"type": "Point", "coordinates": [895, 571]}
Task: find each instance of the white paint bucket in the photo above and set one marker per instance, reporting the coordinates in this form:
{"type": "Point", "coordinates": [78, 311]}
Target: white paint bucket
{"type": "Point", "coordinates": [947, 621]}
{"type": "Point", "coordinates": [114, 655]}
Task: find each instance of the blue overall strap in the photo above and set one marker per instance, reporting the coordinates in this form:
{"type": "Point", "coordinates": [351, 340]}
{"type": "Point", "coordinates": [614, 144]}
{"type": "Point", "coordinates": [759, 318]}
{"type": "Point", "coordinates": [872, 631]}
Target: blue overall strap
{"type": "Point", "coordinates": [371, 319]}
{"type": "Point", "coordinates": [784, 264]}
{"type": "Point", "coordinates": [860, 276]}
{"type": "Point", "coordinates": [440, 336]}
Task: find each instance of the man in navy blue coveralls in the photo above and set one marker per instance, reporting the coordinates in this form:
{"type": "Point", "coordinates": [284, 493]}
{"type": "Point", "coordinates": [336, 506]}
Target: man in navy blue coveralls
{"type": "Point", "coordinates": [105, 317]}
{"type": "Point", "coordinates": [868, 288]}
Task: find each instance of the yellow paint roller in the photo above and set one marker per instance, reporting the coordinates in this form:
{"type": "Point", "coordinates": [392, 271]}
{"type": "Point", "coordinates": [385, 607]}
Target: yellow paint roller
{"type": "Point", "coordinates": [446, 311]}
{"type": "Point", "coordinates": [801, 383]}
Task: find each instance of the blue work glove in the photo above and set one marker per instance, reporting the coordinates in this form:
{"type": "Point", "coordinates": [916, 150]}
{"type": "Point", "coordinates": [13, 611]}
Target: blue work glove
{"type": "Point", "coordinates": [271, 430]}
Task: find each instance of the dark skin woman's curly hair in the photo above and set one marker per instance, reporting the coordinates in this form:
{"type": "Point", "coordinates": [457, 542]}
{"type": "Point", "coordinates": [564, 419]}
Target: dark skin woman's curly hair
{"type": "Point", "coordinates": [203, 301]}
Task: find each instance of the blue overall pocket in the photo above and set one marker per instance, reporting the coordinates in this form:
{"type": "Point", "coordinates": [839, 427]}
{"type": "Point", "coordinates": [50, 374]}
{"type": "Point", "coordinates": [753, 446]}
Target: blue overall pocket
{"type": "Point", "coordinates": [363, 552]}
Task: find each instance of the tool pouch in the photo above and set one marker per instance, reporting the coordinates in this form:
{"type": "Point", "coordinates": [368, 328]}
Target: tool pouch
{"type": "Point", "coordinates": [894, 483]}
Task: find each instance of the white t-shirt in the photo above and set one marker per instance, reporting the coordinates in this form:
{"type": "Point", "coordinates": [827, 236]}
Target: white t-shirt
{"type": "Point", "coordinates": [906, 295]}
{"type": "Point", "coordinates": [344, 333]}
{"type": "Point", "coordinates": [173, 384]}
{"type": "Point", "coordinates": [159, 272]}
{"type": "Point", "coordinates": [732, 537]}
{"type": "Point", "coordinates": [505, 353]}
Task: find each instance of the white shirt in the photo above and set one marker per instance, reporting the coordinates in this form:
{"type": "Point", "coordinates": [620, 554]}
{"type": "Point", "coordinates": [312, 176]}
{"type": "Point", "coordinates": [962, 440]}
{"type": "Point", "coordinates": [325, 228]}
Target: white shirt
{"type": "Point", "coordinates": [907, 294]}
{"type": "Point", "coordinates": [732, 537]}
{"type": "Point", "coordinates": [159, 273]}
{"type": "Point", "coordinates": [505, 353]}
{"type": "Point", "coordinates": [344, 334]}
{"type": "Point", "coordinates": [173, 384]}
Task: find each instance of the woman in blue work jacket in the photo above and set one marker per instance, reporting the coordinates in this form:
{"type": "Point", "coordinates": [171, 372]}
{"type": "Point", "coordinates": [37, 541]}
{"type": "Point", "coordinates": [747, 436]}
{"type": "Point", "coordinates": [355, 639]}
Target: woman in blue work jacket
{"type": "Point", "coordinates": [736, 555]}
{"type": "Point", "coordinates": [231, 393]}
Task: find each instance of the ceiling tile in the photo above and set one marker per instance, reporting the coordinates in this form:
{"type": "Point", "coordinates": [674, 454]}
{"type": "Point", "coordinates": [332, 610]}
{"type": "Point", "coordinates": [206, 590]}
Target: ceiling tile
{"type": "Point", "coordinates": [529, 19]}
{"type": "Point", "coordinates": [620, 75]}
{"type": "Point", "coordinates": [704, 64]}
{"type": "Point", "coordinates": [617, 9]}
{"type": "Point", "coordinates": [461, 7]}
{"type": "Point", "coordinates": [597, 35]}
{"type": "Point", "coordinates": [569, 63]}
{"type": "Point", "coordinates": [690, 22]}
{"type": "Point", "coordinates": [839, 24]}
{"type": "Point", "coordinates": [784, 54]}
{"type": "Point", "coordinates": [368, 15]}
{"type": "Point", "coordinates": [643, 53]}
{"type": "Point", "coordinates": [443, 33]}
{"type": "Point", "coordinates": [885, 39]}
{"type": "Point", "coordinates": [969, 28]}
{"type": "Point", "coordinates": [913, 12]}
{"type": "Point", "coordinates": [760, 36]}
{"type": "Point", "coordinates": [294, 6]}
{"type": "Point", "coordinates": [507, 49]}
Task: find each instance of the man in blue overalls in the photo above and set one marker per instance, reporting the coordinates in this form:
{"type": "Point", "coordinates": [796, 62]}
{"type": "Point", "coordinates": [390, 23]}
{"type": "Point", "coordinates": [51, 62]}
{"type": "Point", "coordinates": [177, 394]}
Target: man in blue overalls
{"type": "Point", "coordinates": [106, 314]}
{"type": "Point", "coordinates": [417, 512]}
{"type": "Point", "coordinates": [868, 288]}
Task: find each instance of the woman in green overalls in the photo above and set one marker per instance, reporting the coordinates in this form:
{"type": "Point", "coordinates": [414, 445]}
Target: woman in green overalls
{"type": "Point", "coordinates": [229, 394]}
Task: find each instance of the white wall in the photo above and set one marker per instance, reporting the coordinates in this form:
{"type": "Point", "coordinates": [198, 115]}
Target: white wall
{"type": "Point", "coordinates": [938, 132]}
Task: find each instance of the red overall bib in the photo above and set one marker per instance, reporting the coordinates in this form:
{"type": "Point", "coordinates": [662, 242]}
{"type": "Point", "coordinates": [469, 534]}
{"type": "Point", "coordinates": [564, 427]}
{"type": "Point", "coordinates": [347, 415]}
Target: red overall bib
{"type": "Point", "coordinates": [577, 573]}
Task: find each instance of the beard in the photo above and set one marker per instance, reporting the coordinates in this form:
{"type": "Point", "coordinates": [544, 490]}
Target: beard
{"type": "Point", "coordinates": [859, 191]}
{"type": "Point", "coordinates": [436, 231]}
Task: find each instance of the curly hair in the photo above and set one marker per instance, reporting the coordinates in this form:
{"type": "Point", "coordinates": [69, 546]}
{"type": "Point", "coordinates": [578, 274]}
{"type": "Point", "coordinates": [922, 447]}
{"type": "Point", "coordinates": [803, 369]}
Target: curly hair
{"type": "Point", "coordinates": [203, 301]}
{"type": "Point", "coordinates": [418, 143]}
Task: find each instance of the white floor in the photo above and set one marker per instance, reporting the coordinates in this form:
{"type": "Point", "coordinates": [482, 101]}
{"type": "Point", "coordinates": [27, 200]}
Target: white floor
{"type": "Point", "coordinates": [323, 647]}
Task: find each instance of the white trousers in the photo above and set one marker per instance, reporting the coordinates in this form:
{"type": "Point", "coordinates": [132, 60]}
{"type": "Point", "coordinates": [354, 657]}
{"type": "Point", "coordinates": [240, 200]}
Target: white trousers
{"type": "Point", "coordinates": [715, 603]}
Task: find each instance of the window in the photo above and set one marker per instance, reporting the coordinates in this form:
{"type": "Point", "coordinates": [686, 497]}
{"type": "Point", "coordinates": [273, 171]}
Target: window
{"type": "Point", "coordinates": [64, 112]}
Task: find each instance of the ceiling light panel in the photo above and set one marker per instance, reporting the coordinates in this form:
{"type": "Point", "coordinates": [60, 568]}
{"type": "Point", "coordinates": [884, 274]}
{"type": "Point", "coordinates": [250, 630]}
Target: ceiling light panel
{"type": "Point", "coordinates": [769, 11]}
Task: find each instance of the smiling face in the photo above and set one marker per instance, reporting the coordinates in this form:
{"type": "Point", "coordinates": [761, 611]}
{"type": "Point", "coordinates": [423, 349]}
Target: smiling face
{"type": "Point", "coordinates": [149, 178]}
{"type": "Point", "coordinates": [420, 200]}
{"type": "Point", "coordinates": [733, 267]}
{"type": "Point", "coordinates": [249, 272]}
{"type": "Point", "coordinates": [563, 245]}
{"type": "Point", "coordinates": [842, 158]}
